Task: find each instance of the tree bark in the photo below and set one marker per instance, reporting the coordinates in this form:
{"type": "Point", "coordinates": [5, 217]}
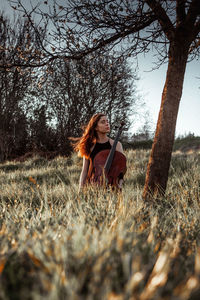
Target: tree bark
{"type": "Point", "coordinates": [159, 161]}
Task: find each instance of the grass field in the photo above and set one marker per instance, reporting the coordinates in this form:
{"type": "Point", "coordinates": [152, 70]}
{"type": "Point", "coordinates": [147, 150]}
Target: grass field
{"type": "Point", "coordinates": [58, 244]}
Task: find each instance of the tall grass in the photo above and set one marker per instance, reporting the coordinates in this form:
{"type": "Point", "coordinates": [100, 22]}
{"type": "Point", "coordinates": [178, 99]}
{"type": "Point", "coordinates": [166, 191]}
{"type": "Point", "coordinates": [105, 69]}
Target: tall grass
{"type": "Point", "coordinates": [98, 244]}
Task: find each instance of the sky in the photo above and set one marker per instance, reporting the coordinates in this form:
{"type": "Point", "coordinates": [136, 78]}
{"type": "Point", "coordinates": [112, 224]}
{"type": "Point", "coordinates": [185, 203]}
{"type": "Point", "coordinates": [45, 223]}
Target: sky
{"type": "Point", "coordinates": [150, 87]}
{"type": "Point", "coordinates": [151, 84]}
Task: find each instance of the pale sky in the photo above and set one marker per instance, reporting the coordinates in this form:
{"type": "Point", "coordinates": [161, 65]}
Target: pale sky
{"type": "Point", "coordinates": [151, 85]}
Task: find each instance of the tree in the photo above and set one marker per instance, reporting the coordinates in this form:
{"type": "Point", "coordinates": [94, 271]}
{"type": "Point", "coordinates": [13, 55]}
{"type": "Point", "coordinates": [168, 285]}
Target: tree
{"type": "Point", "coordinates": [171, 27]}
{"type": "Point", "coordinates": [13, 87]}
{"type": "Point", "coordinates": [18, 41]}
{"type": "Point", "coordinates": [74, 90]}
{"type": "Point", "coordinates": [77, 89]}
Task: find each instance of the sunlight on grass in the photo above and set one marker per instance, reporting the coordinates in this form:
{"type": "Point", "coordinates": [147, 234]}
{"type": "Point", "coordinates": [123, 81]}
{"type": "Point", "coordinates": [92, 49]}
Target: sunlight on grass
{"type": "Point", "coordinates": [58, 244]}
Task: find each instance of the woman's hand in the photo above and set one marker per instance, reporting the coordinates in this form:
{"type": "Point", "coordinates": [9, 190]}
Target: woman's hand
{"type": "Point", "coordinates": [120, 183]}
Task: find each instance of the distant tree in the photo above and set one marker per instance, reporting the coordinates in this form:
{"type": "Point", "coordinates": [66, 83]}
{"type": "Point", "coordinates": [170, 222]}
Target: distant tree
{"type": "Point", "coordinates": [38, 128]}
{"type": "Point", "coordinates": [58, 99]}
{"type": "Point", "coordinates": [171, 27]}
{"type": "Point", "coordinates": [13, 87]}
{"type": "Point", "coordinates": [72, 91]}
{"type": "Point", "coordinates": [42, 137]}
{"type": "Point", "coordinates": [76, 90]}
{"type": "Point", "coordinates": [147, 127]}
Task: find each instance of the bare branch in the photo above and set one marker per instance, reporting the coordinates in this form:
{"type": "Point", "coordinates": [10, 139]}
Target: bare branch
{"type": "Point", "coordinates": [180, 11]}
{"type": "Point", "coordinates": [78, 28]}
{"type": "Point", "coordinates": [79, 54]}
{"type": "Point", "coordinates": [194, 46]}
{"type": "Point", "coordinates": [193, 12]}
{"type": "Point", "coordinates": [197, 28]}
{"type": "Point", "coordinates": [162, 18]}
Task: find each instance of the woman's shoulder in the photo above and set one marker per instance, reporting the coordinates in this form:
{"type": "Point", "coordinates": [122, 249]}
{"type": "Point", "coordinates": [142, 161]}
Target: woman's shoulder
{"type": "Point", "coordinates": [112, 142]}
{"type": "Point", "coordinates": [119, 145]}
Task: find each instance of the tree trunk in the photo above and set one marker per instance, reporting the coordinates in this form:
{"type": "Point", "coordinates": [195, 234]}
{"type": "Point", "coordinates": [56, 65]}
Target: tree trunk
{"type": "Point", "coordinates": [159, 161]}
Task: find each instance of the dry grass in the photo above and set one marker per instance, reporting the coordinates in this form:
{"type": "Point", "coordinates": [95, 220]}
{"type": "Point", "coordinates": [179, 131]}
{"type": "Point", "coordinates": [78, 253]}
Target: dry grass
{"type": "Point", "coordinates": [56, 244]}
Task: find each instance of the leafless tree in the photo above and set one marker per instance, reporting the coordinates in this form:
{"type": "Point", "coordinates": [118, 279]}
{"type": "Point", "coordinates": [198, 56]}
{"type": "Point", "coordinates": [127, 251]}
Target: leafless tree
{"type": "Point", "coordinates": [74, 90]}
{"type": "Point", "coordinates": [13, 87]}
{"type": "Point", "coordinates": [84, 87]}
{"type": "Point", "coordinates": [172, 28]}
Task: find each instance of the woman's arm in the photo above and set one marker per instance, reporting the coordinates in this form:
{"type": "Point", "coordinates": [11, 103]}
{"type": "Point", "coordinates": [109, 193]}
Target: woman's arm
{"type": "Point", "coordinates": [118, 147]}
{"type": "Point", "coordinates": [84, 172]}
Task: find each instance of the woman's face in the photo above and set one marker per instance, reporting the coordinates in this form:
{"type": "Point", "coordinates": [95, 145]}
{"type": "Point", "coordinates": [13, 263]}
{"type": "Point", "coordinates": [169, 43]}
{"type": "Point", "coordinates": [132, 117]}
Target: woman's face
{"type": "Point", "coordinates": [103, 125]}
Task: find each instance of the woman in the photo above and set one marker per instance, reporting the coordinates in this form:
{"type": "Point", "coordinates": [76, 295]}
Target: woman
{"type": "Point", "coordinates": [94, 140]}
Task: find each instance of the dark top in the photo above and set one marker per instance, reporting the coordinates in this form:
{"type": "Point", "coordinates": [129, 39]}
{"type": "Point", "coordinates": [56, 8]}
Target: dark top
{"type": "Point", "coordinates": [99, 147]}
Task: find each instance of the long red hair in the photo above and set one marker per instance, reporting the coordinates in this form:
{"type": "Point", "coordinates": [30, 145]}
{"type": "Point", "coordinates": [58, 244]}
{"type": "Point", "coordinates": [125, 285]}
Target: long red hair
{"type": "Point", "coordinates": [89, 137]}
